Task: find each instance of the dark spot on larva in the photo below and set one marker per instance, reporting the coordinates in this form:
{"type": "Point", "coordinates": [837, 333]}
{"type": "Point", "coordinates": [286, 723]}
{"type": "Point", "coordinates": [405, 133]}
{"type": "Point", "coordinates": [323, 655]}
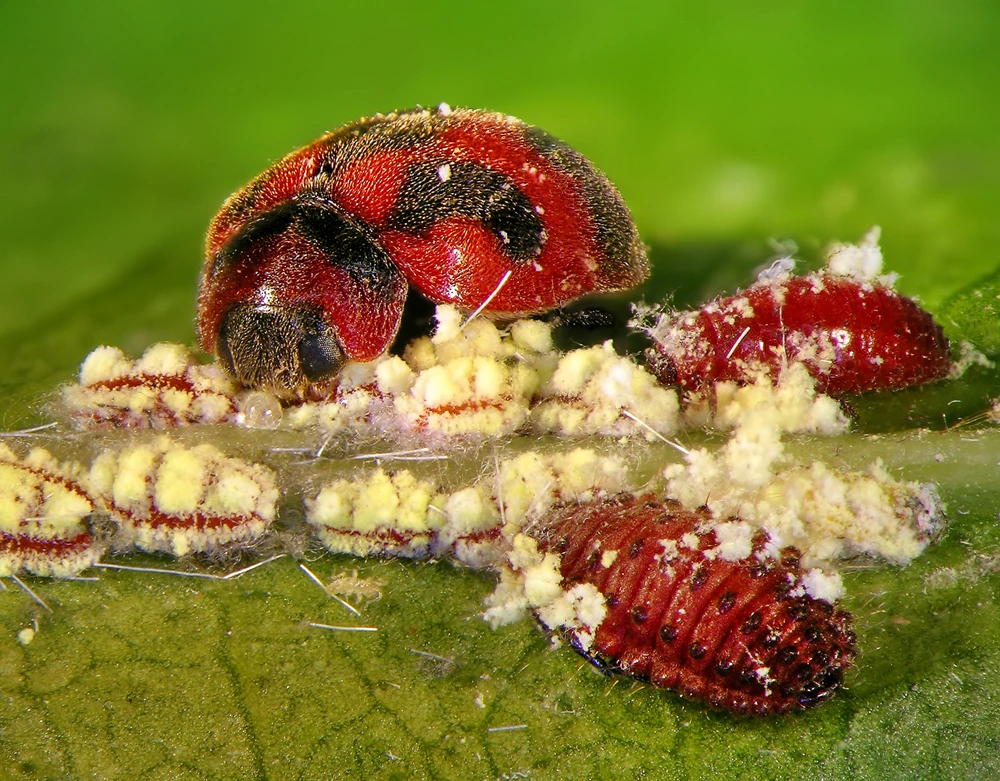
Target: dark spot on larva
{"type": "Point", "coordinates": [668, 633]}
{"type": "Point", "coordinates": [771, 639]}
{"type": "Point", "coordinates": [791, 556]}
{"type": "Point", "coordinates": [636, 548]}
{"type": "Point", "coordinates": [611, 600]}
{"type": "Point", "coordinates": [723, 666]}
{"type": "Point", "coordinates": [593, 561]}
{"type": "Point", "coordinates": [699, 577]}
{"type": "Point", "coordinates": [803, 672]}
{"type": "Point", "coordinates": [697, 650]}
{"type": "Point", "coordinates": [748, 676]}
{"type": "Point", "coordinates": [758, 571]}
{"type": "Point", "coordinates": [825, 608]}
{"type": "Point", "coordinates": [798, 611]}
{"type": "Point", "coordinates": [813, 634]}
{"type": "Point", "coordinates": [639, 614]}
{"type": "Point", "coordinates": [651, 503]}
{"type": "Point", "coordinates": [726, 602]}
{"type": "Point", "coordinates": [786, 655]}
{"type": "Point", "coordinates": [752, 623]}
{"type": "Point", "coordinates": [781, 593]}
{"type": "Point", "coordinates": [563, 545]}
{"type": "Point", "coordinates": [820, 657]}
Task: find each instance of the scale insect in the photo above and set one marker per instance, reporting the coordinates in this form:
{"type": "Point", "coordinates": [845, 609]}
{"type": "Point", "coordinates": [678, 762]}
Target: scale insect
{"type": "Point", "coordinates": [704, 608]}
{"type": "Point", "coordinates": [309, 265]}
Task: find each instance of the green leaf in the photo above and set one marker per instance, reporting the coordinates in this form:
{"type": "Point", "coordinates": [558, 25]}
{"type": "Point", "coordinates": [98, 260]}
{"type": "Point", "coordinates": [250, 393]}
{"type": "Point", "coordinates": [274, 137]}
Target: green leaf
{"type": "Point", "coordinates": [724, 126]}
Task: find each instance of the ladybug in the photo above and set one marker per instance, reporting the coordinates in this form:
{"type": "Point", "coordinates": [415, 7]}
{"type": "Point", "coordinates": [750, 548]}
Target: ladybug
{"type": "Point", "coordinates": [852, 336]}
{"type": "Point", "coordinates": [309, 265]}
{"type": "Point", "coordinates": [732, 628]}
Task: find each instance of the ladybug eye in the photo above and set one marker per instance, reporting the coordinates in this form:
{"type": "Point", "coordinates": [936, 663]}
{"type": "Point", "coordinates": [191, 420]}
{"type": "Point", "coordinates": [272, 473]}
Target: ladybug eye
{"type": "Point", "coordinates": [320, 355]}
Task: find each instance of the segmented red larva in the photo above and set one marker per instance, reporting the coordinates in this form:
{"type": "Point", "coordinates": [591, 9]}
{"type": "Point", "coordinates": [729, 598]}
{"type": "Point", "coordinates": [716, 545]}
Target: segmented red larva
{"type": "Point", "coordinates": [737, 634]}
{"type": "Point", "coordinates": [852, 336]}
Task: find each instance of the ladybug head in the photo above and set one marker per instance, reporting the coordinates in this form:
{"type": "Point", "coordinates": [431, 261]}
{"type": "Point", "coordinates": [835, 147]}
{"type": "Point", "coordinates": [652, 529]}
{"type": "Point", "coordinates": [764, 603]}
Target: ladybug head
{"type": "Point", "coordinates": [282, 347]}
{"type": "Point", "coordinates": [294, 293]}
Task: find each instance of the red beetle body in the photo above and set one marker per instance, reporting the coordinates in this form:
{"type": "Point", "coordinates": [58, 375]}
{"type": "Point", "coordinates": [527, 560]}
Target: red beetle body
{"type": "Point", "coordinates": [309, 264]}
{"type": "Point", "coordinates": [851, 335]}
{"type": "Point", "coordinates": [727, 630]}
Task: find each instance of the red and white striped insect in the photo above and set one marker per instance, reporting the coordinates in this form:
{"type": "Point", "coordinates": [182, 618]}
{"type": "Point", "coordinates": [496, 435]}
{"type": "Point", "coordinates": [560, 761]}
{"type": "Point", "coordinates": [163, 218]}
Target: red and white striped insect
{"type": "Point", "coordinates": [44, 517]}
{"type": "Point", "coordinates": [698, 607]}
{"type": "Point", "coordinates": [852, 335]}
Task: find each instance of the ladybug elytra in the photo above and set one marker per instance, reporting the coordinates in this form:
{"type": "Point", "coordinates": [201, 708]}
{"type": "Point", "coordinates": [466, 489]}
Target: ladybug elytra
{"type": "Point", "coordinates": [309, 265]}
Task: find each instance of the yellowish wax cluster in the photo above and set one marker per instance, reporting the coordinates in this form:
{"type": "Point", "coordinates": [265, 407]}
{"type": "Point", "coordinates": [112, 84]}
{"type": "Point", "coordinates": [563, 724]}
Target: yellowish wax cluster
{"type": "Point", "coordinates": [43, 516]}
{"type": "Point", "coordinates": [398, 514]}
{"type": "Point", "coordinates": [170, 497]}
{"type": "Point", "coordinates": [166, 387]}
{"type": "Point", "coordinates": [827, 513]}
{"type": "Point", "coordinates": [595, 391]}
{"type": "Point", "coordinates": [378, 514]}
{"type": "Point", "coordinates": [476, 380]}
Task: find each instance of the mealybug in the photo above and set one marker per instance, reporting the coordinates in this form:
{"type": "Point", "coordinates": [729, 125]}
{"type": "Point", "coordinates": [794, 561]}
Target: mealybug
{"type": "Point", "coordinates": [853, 336]}
{"type": "Point", "coordinates": [45, 516]}
{"type": "Point", "coordinates": [706, 609]}
{"type": "Point", "coordinates": [309, 265]}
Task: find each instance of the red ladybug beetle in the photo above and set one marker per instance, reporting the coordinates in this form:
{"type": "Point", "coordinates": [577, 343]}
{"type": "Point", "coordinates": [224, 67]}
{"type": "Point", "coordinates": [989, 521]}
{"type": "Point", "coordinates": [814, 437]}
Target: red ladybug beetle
{"type": "Point", "coordinates": [309, 265]}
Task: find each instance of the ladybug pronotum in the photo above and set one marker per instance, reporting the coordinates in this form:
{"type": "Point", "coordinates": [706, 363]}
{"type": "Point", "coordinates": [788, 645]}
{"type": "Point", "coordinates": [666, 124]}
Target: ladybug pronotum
{"type": "Point", "coordinates": [309, 265]}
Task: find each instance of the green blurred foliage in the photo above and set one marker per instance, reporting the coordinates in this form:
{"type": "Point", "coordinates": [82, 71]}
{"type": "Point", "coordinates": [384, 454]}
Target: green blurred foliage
{"type": "Point", "coordinates": [725, 125]}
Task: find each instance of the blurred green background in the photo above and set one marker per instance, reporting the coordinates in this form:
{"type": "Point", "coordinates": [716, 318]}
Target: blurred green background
{"type": "Point", "coordinates": [727, 125]}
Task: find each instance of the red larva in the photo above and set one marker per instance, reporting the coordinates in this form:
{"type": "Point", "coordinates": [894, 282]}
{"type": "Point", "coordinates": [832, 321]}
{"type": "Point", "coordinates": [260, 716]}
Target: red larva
{"type": "Point", "coordinates": [728, 633]}
{"type": "Point", "coordinates": [309, 265]}
{"type": "Point", "coordinates": [852, 336]}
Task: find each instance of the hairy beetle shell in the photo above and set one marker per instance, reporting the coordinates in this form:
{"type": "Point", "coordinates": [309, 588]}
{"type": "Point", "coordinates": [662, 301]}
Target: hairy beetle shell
{"type": "Point", "coordinates": [309, 265]}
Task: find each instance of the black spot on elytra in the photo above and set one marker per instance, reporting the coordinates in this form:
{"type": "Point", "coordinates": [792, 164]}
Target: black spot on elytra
{"type": "Point", "coordinates": [348, 244]}
{"type": "Point", "coordinates": [615, 232]}
{"type": "Point", "coordinates": [435, 190]}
